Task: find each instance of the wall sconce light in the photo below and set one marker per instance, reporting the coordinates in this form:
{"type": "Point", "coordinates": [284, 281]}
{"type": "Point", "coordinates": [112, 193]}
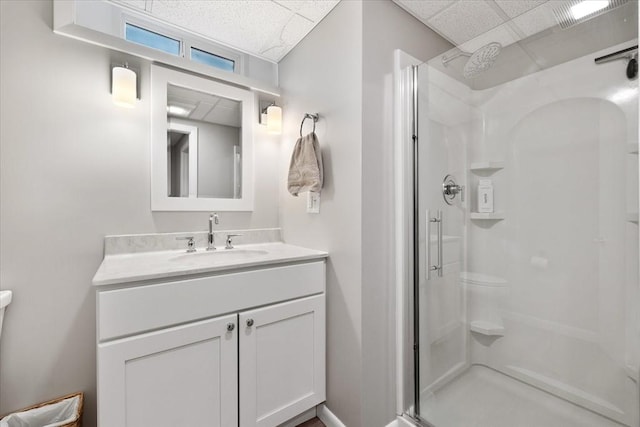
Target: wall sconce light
{"type": "Point", "coordinates": [271, 115]}
{"type": "Point", "coordinates": [274, 119]}
{"type": "Point", "coordinates": [124, 85]}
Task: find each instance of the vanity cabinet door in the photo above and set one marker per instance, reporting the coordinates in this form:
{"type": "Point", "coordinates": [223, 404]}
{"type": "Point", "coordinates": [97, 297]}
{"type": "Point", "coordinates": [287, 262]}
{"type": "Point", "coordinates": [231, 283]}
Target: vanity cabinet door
{"type": "Point", "coordinates": [282, 361]}
{"type": "Point", "coordinates": [180, 376]}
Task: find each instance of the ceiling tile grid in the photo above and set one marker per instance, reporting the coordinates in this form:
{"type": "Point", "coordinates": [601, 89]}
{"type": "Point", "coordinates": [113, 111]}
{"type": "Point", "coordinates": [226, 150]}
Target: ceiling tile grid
{"type": "Point", "coordinates": [515, 8]}
{"type": "Point", "coordinates": [241, 22]}
{"type": "Point", "coordinates": [423, 10]}
{"type": "Point", "coordinates": [314, 11]}
{"type": "Point", "coordinates": [536, 20]}
{"type": "Point", "coordinates": [289, 35]}
{"type": "Point", "coordinates": [463, 21]}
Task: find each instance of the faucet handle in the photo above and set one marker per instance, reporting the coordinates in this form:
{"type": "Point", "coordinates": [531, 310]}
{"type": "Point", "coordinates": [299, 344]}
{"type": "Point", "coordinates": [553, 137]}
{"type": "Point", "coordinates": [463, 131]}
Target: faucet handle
{"type": "Point", "coordinates": [229, 244]}
{"type": "Point", "coordinates": [191, 244]}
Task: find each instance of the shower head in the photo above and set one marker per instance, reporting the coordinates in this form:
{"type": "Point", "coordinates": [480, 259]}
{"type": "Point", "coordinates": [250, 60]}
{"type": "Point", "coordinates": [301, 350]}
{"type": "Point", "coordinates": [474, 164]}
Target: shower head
{"type": "Point", "coordinates": [479, 61]}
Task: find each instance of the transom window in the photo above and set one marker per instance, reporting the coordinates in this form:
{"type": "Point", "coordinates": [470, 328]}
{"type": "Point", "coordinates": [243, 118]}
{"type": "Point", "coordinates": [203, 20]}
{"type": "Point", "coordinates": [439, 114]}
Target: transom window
{"type": "Point", "coordinates": [176, 46]}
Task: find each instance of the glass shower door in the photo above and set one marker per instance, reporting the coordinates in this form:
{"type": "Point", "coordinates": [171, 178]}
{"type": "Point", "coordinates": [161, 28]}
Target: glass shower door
{"type": "Point", "coordinates": [528, 311]}
{"type": "Point", "coordinates": [442, 128]}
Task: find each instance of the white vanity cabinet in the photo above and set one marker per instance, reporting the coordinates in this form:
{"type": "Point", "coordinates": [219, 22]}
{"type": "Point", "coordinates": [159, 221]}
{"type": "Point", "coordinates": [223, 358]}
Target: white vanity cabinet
{"type": "Point", "coordinates": [282, 360]}
{"type": "Point", "coordinates": [182, 376]}
{"type": "Point", "coordinates": [244, 348]}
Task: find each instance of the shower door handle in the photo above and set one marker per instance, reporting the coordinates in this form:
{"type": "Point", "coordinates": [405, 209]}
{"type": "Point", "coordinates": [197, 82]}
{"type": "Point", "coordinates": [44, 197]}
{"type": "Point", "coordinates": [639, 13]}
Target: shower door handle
{"type": "Point", "coordinates": [438, 221]}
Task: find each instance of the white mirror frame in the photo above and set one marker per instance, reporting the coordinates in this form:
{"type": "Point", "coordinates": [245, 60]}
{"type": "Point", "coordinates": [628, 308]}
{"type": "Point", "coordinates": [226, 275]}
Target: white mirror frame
{"type": "Point", "coordinates": [160, 200]}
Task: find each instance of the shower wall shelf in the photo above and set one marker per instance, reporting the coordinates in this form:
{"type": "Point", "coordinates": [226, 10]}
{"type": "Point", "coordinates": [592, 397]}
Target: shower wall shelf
{"type": "Point", "coordinates": [486, 328]}
{"type": "Point", "coordinates": [487, 166]}
{"type": "Point", "coordinates": [494, 216]}
{"type": "Point", "coordinates": [632, 217]}
{"type": "Point", "coordinates": [632, 148]}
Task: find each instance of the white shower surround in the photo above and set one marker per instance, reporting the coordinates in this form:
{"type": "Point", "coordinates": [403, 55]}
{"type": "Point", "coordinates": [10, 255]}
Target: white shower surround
{"type": "Point", "coordinates": [571, 322]}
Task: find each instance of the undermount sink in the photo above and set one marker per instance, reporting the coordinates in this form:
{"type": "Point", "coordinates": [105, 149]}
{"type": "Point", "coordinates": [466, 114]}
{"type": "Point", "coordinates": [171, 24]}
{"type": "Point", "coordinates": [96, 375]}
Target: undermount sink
{"type": "Point", "coordinates": [227, 255]}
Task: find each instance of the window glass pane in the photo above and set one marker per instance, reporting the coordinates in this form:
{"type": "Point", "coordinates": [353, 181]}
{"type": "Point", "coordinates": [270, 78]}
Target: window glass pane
{"type": "Point", "coordinates": [151, 39]}
{"type": "Point", "coordinates": [211, 59]}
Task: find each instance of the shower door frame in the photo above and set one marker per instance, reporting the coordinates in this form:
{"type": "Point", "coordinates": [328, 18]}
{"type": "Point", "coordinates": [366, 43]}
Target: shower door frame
{"type": "Point", "coordinates": [406, 215]}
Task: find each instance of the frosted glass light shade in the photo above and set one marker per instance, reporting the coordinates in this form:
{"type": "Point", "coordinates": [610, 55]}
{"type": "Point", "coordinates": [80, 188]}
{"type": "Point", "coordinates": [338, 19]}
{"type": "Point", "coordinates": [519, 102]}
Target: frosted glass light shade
{"type": "Point", "coordinates": [274, 119]}
{"type": "Point", "coordinates": [123, 87]}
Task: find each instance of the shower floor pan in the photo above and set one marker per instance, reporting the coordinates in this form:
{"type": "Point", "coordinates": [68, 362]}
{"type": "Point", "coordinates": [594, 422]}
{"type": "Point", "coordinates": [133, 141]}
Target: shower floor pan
{"type": "Point", "coordinates": [482, 397]}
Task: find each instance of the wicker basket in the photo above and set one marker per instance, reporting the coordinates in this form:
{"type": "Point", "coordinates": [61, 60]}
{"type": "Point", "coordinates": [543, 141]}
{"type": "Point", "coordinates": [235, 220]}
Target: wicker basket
{"type": "Point", "coordinates": [77, 422]}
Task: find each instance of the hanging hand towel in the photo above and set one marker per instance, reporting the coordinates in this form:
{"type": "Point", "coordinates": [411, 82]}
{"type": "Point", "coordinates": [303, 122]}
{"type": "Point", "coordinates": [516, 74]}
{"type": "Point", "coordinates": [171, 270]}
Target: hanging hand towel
{"type": "Point", "coordinates": [305, 169]}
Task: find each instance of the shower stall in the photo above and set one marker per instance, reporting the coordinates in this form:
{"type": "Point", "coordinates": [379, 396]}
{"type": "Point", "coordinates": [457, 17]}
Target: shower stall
{"type": "Point", "coordinates": [519, 294]}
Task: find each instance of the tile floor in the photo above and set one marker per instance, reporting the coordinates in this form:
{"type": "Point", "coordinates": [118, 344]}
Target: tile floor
{"type": "Point", "coordinates": [482, 397]}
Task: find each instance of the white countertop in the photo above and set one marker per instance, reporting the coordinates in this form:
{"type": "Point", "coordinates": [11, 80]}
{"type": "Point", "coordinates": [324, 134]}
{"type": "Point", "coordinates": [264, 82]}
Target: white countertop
{"type": "Point", "coordinates": [140, 266]}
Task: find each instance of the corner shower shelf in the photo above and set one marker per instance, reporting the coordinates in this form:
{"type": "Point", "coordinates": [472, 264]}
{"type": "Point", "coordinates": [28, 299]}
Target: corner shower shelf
{"type": "Point", "coordinates": [486, 166]}
{"type": "Point", "coordinates": [486, 328]}
{"type": "Point", "coordinates": [632, 217]}
{"type": "Point", "coordinates": [632, 148]}
{"type": "Point", "coordinates": [494, 216]}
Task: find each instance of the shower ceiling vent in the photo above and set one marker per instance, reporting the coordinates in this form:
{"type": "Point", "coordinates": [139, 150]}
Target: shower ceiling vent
{"type": "Point", "coordinates": [574, 12]}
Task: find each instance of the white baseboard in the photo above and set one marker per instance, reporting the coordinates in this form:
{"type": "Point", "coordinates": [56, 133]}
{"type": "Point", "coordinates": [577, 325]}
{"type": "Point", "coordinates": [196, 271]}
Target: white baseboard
{"type": "Point", "coordinates": [327, 417]}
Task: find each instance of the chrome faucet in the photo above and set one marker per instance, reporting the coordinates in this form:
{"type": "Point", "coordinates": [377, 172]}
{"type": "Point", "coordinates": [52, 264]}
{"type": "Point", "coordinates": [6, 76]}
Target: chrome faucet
{"type": "Point", "coordinates": [229, 244]}
{"type": "Point", "coordinates": [213, 218]}
{"type": "Point", "coordinates": [191, 244]}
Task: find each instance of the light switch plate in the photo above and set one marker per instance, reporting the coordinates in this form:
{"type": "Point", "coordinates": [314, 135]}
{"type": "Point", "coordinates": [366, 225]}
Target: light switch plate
{"type": "Point", "coordinates": [313, 202]}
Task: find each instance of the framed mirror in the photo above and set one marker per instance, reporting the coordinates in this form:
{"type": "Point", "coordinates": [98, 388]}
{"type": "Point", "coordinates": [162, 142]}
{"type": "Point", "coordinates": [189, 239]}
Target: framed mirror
{"type": "Point", "coordinates": [201, 143]}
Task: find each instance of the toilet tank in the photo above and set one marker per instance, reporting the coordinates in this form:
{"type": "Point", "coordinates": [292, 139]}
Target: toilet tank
{"type": "Point", "coordinates": [5, 299]}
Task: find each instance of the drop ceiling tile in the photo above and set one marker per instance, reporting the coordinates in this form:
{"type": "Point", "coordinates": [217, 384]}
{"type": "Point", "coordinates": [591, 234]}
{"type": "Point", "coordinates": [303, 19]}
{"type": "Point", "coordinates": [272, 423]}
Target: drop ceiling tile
{"type": "Point", "coordinates": [465, 20]}
{"type": "Point", "coordinates": [201, 111]}
{"type": "Point", "coordinates": [424, 10]}
{"type": "Point", "coordinates": [290, 35]}
{"type": "Point", "coordinates": [313, 10]}
{"type": "Point", "coordinates": [244, 24]}
{"type": "Point", "coordinates": [502, 34]}
{"type": "Point", "coordinates": [515, 8]}
{"type": "Point", "coordinates": [228, 103]}
{"type": "Point", "coordinates": [224, 116]}
{"type": "Point", "coordinates": [536, 20]}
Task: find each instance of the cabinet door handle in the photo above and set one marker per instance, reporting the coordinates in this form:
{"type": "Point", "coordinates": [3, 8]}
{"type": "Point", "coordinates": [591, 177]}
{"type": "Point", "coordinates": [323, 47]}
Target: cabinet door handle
{"type": "Point", "coordinates": [249, 323]}
{"type": "Point", "coordinates": [231, 326]}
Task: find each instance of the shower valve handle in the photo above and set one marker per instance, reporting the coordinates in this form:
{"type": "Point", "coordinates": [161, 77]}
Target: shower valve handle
{"type": "Point", "coordinates": [450, 189]}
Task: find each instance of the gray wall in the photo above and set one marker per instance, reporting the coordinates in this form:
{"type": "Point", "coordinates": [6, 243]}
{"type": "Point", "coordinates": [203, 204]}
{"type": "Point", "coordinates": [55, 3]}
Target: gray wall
{"type": "Point", "coordinates": [73, 168]}
{"type": "Point", "coordinates": [342, 70]}
{"type": "Point", "coordinates": [324, 74]}
{"type": "Point", "coordinates": [386, 27]}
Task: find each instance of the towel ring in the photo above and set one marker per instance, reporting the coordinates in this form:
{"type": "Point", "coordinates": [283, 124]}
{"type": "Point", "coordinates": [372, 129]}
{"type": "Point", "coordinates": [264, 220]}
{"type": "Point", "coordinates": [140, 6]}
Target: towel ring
{"type": "Point", "coordinates": [314, 117]}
